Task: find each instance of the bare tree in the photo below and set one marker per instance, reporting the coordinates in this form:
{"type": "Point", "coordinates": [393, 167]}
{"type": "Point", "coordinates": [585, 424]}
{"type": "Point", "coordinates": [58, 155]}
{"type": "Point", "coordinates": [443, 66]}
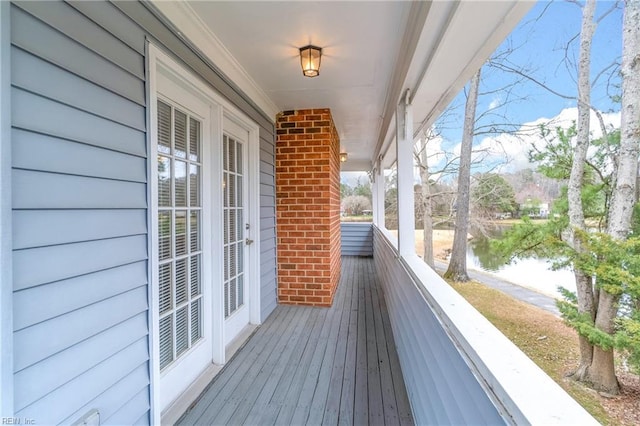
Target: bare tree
{"type": "Point", "coordinates": [584, 283]}
{"type": "Point", "coordinates": [457, 269]}
{"type": "Point", "coordinates": [427, 215]}
{"type": "Point", "coordinates": [601, 371]}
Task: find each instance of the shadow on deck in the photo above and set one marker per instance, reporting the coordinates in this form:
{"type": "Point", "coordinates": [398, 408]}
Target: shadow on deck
{"type": "Point", "coordinates": [308, 365]}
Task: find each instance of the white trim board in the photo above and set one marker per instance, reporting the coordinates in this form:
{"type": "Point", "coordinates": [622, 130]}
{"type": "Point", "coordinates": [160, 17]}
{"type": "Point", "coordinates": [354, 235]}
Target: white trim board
{"type": "Point", "coordinates": [193, 28]}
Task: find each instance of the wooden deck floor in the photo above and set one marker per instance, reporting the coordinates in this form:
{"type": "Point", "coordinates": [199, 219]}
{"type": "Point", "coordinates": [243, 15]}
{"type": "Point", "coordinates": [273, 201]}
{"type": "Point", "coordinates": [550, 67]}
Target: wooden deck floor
{"type": "Point", "coordinates": [314, 366]}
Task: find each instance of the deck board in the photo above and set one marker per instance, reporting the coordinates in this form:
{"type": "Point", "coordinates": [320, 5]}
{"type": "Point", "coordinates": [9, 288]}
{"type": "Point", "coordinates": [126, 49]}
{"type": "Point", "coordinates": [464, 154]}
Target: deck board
{"type": "Point", "coordinates": [308, 365]}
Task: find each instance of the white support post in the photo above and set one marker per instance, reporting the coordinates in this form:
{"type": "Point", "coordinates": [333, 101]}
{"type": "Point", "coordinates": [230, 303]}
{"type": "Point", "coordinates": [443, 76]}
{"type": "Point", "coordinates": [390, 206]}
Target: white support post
{"type": "Point", "coordinates": [374, 194]}
{"type": "Point", "coordinates": [378, 198]}
{"type": "Point", "coordinates": [404, 155]}
{"type": "Point", "coordinates": [6, 276]}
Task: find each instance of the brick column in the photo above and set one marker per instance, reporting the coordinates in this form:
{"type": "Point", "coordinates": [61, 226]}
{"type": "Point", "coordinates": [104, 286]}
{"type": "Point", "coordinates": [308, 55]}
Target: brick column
{"type": "Point", "coordinates": [308, 207]}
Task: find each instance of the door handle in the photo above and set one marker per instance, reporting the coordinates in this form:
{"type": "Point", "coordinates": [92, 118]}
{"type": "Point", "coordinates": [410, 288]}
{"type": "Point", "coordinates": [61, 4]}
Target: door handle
{"type": "Point", "coordinates": [248, 241]}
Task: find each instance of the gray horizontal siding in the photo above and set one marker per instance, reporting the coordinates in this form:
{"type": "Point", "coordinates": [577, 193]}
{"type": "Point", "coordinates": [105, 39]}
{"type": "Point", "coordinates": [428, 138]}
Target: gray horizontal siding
{"type": "Point", "coordinates": [34, 343]}
{"type": "Point", "coordinates": [268, 265]}
{"type": "Point", "coordinates": [79, 219]}
{"type": "Point", "coordinates": [110, 18]}
{"type": "Point", "coordinates": [28, 33]}
{"type": "Point", "coordinates": [42, 265]}
{"type": "Point", "coordinates": [39, 228]}
{"type": "Point", "coordinates": [37, 381]}
{"type": "Point", "coordinates": [109, 372]}
{"type": "Point", "coordinates": [441, 386]}
{"type": "Point", "coordinates": [55, 154]}
{"type": "Point", "coordinates": [49, 301]}
{"type": "Point", "coordinates": [75, 91]}
{"type": "Point", "coordinates": [66, 122]}
{"type": "Point", "coordinates": [80, 205]}
{"type": "Point", "coordinates": [356, 239]}
{"type": "Point", "coordinates": [43, 190]}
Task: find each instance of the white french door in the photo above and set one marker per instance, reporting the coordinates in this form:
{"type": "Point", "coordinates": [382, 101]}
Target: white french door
{"type": "Point", "coordinates": [237, 230]}
{"type": "Point", "coordinates": [182, 220]}
{"type": "Point", "coordinates": [204, 159]}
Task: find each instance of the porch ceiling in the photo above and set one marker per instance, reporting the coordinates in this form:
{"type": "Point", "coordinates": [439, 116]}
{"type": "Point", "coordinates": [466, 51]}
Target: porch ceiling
{"type": "Point", "coordinates": [372, 52]}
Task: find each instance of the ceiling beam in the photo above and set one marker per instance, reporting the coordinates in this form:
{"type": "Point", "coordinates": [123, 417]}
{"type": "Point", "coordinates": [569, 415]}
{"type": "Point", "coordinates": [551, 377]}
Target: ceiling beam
{"type": "Point", "coordinates": [417, 18]}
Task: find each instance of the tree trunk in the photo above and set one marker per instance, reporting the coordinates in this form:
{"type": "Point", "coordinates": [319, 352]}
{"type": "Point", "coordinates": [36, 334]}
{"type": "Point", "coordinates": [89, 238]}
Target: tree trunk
{"type": "Point", "coordinates": [584, 286]}
{"type": "Point", "coordinates": [457, 269]}
{"type": "Point", "coordinates": [576, 213]}
{"type": "Point", "coordinates": [624, 194]}
{"type": "Point", "coordinates": [602, 370]}
{"type": "Point", "coordinates": [427, 220]}
{"type": "Point", "coordinates": [602, 373]}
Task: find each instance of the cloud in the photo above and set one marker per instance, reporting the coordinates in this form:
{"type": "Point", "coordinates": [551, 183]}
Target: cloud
{"type": "Point", "coordinates": [495, 102]}
{"type": "Point", "coordinates": [509, 152]}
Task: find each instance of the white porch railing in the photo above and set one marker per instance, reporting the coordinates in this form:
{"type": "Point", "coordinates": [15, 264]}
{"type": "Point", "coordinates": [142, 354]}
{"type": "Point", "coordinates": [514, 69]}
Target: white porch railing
{"type": "Point", "coordinates": [458, 368]}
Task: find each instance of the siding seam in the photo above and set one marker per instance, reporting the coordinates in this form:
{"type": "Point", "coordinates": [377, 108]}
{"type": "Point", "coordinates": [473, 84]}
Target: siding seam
{"type": "Point", "coordinates": [141, 78]}
{"type": "Point", "coordinates": [72, 106]}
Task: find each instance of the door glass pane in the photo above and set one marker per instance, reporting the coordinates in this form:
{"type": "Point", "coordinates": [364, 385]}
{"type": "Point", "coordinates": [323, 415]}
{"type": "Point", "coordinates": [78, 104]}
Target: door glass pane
{"type": "Point", "coordinates": [179, 231]}
{"type": "Point", "coordinates": [164, 235]}
{"type": "Point", "coordinates": [164, 181]}
{"type": "Point", "coordinates": [225, 151]}
{"type": "Point", "coordinates": [181, 281]}
{"type": "Point", "coordinates": [194, 185]}
{"type": "Point", "coordinates": [196, 328]}
{"type": "Point", "coordinates": [194, 276]}
{"type": "Point", "coordinates": [233, 303]}
{"type": "Point", "coordinates": [181, 183]}
{"type": "Point", "coordinates": [231, 190]}
{"type": "Point", "coordinates": [239, 158]}
{"type": "Point", "coordinates": [194, 231]}
{"type": "Point", "coordinates": [241, 290]}
{"type": "Point", "coordinates": [239, 224]}
{"type": "Point", "coordinates": [166, 299]}
{"type": "Point", "coordinates": [194, 140]}
{"type": "Point", "coordinates": [164, 128]}
{"type": "Point", "coordinates": [232, 155]}
{"type": "Point", "coordinates": [166, 341]}
{"type": "Point", "coordinates": [234, 225]}
{"type": "Point", "coordinates": [181, 134]}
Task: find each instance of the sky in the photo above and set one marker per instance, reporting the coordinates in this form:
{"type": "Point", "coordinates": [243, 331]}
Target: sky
{"type": "Point", "coordinates": [545, 43]}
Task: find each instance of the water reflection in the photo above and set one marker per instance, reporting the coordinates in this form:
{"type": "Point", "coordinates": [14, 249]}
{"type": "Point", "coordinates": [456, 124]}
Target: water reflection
{"type": "Point", "coordinates": [532, 273]}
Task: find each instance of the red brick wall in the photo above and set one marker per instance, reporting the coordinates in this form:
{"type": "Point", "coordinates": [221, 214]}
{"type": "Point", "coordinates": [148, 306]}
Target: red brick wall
{"type": "Point", "coordinates": [308, 207]}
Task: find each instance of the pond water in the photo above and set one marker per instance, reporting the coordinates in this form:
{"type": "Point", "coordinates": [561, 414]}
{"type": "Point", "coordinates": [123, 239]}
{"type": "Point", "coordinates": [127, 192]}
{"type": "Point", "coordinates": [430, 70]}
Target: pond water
{"type": "Point", "coordinates": [531, 273]}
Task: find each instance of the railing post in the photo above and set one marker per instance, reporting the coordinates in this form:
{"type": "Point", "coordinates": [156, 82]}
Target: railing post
{"type": "Point", "coordinates": [378, 194]}
{"type": "Point", "coordinates": [404, 155]}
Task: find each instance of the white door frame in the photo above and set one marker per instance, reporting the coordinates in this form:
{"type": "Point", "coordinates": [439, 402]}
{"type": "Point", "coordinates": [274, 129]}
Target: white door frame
{"type": "Point", "coordinates": [162, 64]}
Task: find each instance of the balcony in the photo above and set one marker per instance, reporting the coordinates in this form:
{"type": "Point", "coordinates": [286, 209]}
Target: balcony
{"type": "Point", "coordinates": [398, 346]}
{"type": "Point", "coordinates": [309, 365]}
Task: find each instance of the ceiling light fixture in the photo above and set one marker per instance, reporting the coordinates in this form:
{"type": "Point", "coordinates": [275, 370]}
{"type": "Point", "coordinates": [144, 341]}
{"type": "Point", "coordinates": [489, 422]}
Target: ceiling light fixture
{"type": "Point", "coordinates": [310, 60]}
{"type": "Point", "coordinates": [343, 157]}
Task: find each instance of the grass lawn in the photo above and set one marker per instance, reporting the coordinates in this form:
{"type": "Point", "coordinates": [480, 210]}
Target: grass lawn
{"type": "Point", "coordinates": [541, 336]}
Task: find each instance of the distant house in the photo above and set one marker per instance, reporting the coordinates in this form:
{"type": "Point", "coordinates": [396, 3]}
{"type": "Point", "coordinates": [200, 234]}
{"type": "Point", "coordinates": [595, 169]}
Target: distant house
{"type": "Point", "coordinates": [534, 209]}
{"type": "Point", "coordinates": [169, 179]}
